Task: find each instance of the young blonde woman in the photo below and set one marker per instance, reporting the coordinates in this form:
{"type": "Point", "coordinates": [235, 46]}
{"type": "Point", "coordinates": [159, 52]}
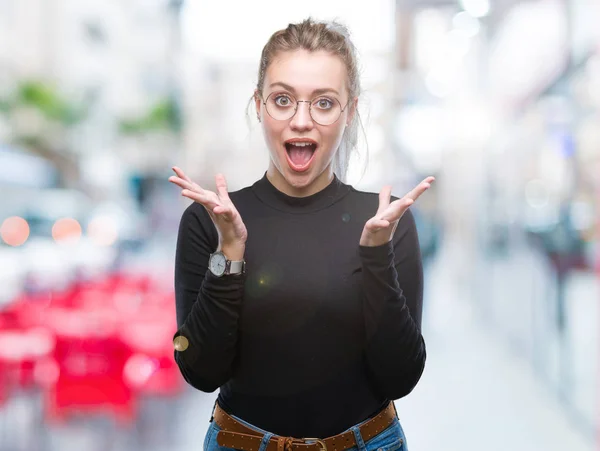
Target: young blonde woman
{"type": "Point", "coordinates": [300, 297]}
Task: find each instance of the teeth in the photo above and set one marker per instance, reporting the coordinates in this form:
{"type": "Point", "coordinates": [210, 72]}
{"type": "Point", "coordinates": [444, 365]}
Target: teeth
{"type": "Point", "coordinates": [301, 144]}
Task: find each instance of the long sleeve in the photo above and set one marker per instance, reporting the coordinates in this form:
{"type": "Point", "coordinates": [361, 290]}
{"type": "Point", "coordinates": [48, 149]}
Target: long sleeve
{"type": "Point", "coordinates": [207, 306]}
{"type": "Point", "coordinates": [393, 298]}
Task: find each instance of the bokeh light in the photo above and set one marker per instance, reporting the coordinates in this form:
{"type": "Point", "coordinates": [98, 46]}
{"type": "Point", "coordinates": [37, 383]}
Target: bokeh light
{"type": "Point", "coordinates": [14, 231]}
{"type": "Point", "coordinates": [103, 231]}
{"type": "Point", "coordinates": [66, 230]}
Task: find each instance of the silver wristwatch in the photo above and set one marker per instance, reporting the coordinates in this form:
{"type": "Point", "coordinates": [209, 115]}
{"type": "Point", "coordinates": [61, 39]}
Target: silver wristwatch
{"type": "Point", "coordinates": [220, 265]}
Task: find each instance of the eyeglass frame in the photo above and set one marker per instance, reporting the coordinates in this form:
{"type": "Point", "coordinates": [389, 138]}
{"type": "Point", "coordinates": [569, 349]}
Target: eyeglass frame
{"type": "Point", "coordinates": [264, 102]}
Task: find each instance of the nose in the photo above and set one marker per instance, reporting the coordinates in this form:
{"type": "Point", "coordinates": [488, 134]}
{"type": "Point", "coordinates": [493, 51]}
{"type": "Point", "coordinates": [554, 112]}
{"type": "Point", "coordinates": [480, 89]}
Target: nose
{"type": "Point", "coordinates": [302, 120]}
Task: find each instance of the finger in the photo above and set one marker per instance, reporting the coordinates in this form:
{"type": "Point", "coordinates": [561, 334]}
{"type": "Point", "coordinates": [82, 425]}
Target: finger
{"type": "Point", "coordinates": [376, 224]}
{"type": "Point", "coordinates": [181, 183]}
{"type": "Point", "coordinates": [397, 209]}
{"type": "Point", "coordinates": [384, 199]}
{"type": "Point", "coordinates": [184, 184]}
{"type": "Point", "coordinates": [222, 187]}
{"type": "Point", "coordinates": [181, 174]}
{"type": "Point", "coordinates": [208, 201]}
{"type": "Point", "coordinates": [420, 189]}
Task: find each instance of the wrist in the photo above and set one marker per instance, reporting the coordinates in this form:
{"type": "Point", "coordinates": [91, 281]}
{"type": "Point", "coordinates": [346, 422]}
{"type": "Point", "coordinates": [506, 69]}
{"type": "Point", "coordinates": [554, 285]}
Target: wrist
{"type": "Point", "coordinates": [368, 240]}
{"type": "Point", "coordinates": [373, 243]}
{"type": "Point", "coordinates": [233, 252]}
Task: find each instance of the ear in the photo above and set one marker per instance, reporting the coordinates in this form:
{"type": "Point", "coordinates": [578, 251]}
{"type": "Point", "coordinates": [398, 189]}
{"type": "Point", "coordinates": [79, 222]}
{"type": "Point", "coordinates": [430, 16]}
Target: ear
{"type": "Point", "coordinates": [352, 110]}
{"type": "Point", "coordinates": [258, 104]}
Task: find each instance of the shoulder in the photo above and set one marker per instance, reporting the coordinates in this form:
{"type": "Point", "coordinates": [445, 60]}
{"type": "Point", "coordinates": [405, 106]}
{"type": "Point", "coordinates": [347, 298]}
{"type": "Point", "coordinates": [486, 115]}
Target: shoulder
{"type": "Point", "coordinates": [363, 197]}
{"type": "Point", "coordinates": [194, 213]}
{"type": "Point", "coordinates": [195, 221]}
{"type": "Point", "coordinates": [240, 194]}
{"type": "Point", "coordinates": [368, 195]}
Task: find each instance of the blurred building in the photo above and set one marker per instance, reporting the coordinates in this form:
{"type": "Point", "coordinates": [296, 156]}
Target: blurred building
{"type": "Point", "coordinates": [116, 61]}
{"type": "Point", "coordinates": [502, 98]}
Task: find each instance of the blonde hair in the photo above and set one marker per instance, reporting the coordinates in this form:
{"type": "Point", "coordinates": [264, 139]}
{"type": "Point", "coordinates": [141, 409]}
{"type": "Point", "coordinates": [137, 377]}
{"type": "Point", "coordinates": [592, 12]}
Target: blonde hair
{"type": "Point", "coordinates": [314, 36]}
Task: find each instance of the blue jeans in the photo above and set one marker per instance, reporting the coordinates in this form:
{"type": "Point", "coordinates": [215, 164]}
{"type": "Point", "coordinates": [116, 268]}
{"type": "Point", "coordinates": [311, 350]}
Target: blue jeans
{"type": "Point", "coordinates": [390, 439]}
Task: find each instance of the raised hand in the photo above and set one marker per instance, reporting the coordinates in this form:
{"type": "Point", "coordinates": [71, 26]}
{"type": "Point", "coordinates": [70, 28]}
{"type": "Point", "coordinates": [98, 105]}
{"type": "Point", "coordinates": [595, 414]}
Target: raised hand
{"type": "Point", "coordinates": [380, 228]}
{"type": "Point", "coordinates": [227, 220]}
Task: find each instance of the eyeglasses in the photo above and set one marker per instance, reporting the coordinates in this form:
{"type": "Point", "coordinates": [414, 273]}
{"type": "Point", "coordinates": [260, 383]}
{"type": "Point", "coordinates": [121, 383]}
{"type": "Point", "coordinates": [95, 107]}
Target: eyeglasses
{"type": "Point", "coordinates": [323, 110]}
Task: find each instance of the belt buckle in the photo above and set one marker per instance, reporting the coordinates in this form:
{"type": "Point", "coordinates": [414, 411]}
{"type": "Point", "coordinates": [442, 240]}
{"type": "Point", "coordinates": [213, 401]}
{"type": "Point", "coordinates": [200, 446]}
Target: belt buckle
{"type": "Point", "coordinates": [320, 442]}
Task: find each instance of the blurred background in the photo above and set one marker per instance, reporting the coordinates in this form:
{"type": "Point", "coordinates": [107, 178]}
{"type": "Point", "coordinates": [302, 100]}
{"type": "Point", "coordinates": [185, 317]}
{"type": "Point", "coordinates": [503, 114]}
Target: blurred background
{"type": "Point", "coordinates": [499, 99]}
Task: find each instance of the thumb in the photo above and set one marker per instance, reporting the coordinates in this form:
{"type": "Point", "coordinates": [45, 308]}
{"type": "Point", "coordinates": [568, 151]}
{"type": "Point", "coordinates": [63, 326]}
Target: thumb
{"type": "Point", "coordinates": [384, 199]}
{"type": "Point", "coordinates": [222, 187]}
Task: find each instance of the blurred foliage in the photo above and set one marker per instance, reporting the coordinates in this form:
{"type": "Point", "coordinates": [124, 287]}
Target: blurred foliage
{"type": "Point", "coordinates": [164, 115]}
{"type": "Point", "coordinates": [45, 140]}
{"type": "Point", "coordinates": [4, 106]}
{"type": "Point", "coordinates": [31, 142]}
{"type": "Point", "coordinates": [46, 99]}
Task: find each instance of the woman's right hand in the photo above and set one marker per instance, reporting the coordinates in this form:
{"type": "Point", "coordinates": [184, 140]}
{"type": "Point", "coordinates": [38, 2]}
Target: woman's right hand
{"type": "Point", "coordinates": [227, 220]}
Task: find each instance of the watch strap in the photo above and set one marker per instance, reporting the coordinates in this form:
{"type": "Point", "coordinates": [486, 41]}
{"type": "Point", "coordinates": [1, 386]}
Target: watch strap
{"type": "Point", "coordinates": [237, 267]}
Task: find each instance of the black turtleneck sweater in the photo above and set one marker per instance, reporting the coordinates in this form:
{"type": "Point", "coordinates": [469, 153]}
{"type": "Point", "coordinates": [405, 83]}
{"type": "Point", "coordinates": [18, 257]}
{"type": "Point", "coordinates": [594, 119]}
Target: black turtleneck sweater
{"type": "Point", "coordinates": [320, 333]}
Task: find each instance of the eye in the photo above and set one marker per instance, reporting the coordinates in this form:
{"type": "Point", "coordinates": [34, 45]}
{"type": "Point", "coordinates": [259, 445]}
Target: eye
{"type": "Point", "coordinates": [282, 100]}
{"type": "Point", "coordinates": [323, 103]}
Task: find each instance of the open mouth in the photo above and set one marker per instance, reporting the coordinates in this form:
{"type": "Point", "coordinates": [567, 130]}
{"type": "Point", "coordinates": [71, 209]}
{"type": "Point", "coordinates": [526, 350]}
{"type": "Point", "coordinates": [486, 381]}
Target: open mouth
{"type": "Point", "coordinates": [300, 153]}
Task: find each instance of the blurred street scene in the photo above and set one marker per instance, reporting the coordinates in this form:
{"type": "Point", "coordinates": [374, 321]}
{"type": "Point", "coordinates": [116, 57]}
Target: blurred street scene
{"type": "Point", "coordinates": [499, 99]}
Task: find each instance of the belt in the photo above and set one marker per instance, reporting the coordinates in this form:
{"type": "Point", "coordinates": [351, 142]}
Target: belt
{"type": "Point", "coordinates": [236, 435]}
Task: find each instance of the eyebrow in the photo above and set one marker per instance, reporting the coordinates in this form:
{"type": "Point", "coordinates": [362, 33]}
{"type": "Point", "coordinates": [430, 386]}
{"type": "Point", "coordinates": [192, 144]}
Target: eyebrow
{"type": "Point", "coordinates": [315, 92]}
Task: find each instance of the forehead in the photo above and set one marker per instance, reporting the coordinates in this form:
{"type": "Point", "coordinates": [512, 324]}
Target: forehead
{"type": "Point", "coordinates": [307, 71]}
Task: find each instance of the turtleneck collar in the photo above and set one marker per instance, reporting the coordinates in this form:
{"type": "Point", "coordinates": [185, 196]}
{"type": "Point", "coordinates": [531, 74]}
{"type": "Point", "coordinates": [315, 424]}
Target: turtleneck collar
{"type": "Point", "coordinates": [268, 194]}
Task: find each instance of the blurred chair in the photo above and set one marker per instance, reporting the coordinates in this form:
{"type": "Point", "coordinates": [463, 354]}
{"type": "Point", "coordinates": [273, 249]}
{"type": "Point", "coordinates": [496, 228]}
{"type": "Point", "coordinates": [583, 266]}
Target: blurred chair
{"type": "Point", "coordinates": [96, 346]}
{"type": "Point", "coordinates": [90, 361]}
{"type": "Point", "coordinates": [151, 369]}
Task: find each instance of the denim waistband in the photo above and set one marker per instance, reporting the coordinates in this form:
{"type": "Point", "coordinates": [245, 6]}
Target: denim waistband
{"type": "Point", "coordinates": [390, 439]}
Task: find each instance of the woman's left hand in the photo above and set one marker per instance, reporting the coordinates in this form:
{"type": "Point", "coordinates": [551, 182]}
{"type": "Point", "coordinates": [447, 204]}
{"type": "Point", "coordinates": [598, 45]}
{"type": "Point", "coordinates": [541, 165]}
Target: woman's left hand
{"type": "Point", "coordinates": [380, 228]}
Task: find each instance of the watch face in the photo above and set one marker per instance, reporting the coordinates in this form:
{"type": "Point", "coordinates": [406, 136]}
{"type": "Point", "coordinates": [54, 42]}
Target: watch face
{"type": "Point", "coordinates": [217, 264]}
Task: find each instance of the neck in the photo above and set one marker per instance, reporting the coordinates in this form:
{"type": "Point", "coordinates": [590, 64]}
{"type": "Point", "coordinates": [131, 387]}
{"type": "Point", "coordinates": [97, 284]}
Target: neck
{"type": "Point", "coordinates": [299, 188]}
